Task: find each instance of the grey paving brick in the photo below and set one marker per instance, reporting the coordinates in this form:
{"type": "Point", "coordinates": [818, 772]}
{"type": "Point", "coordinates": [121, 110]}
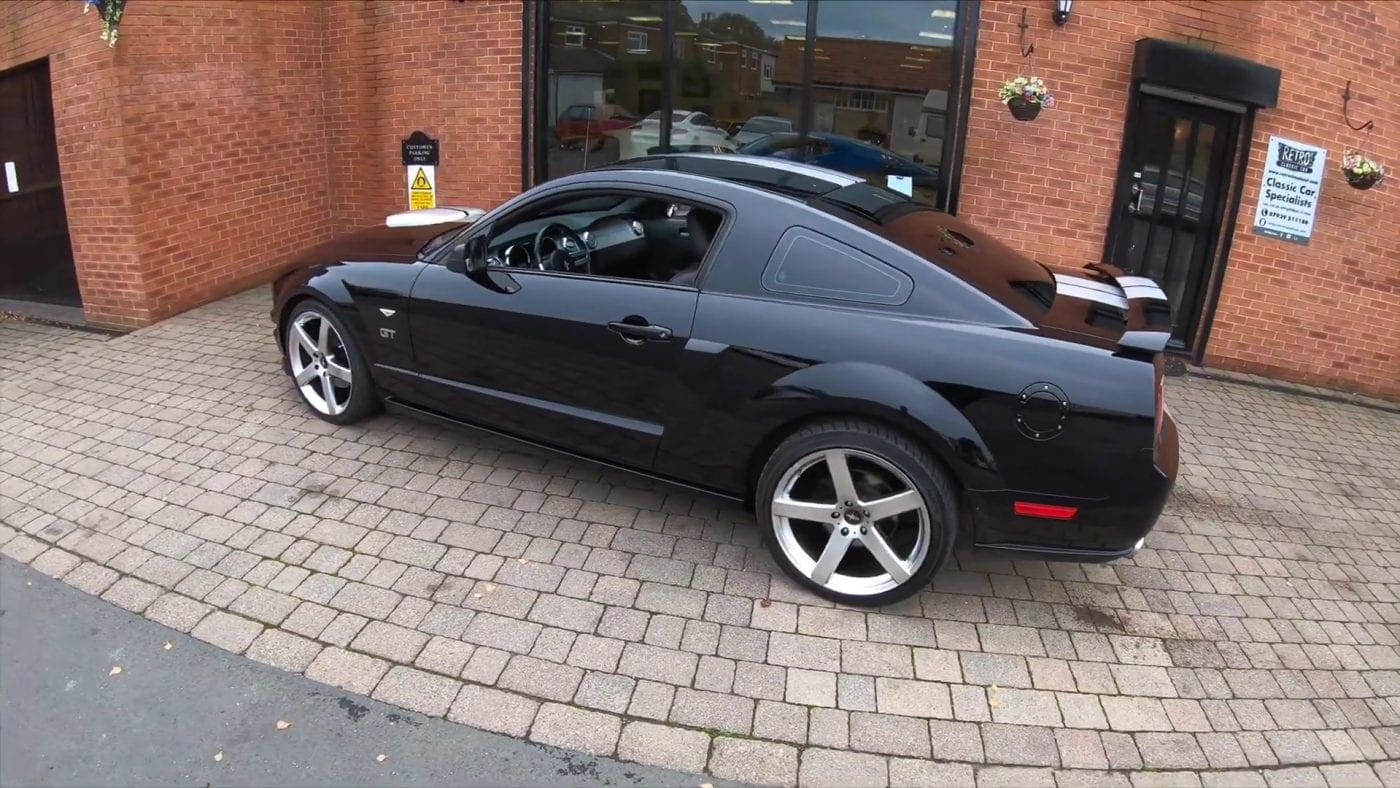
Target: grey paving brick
{"type": "Point", "coordinates": [227, 631]}
{"type": "Point", "coordinates": [713, 710]}
{"type": "Point", "coordinates": [493, 710]}
{"type": "Point", "coordinates": [392, 642]}
{"type": "Point", "coordinates": [605, 692]}
{"type": "Point", "coordinates": [664, 746]}
{"type": "Point", "coordinates": [889, 734]}
{"type": "Point", "coordinates": [1019, 744]}
{"type": "Point", "coordinates": [918, 773]}
{"type": "Point", "coordinates": [284, 650]}
{"type": "Point", "coordinates": [444, 655]}
{"type": "Point", "coordinates": [839, 769]}
{"type": "Point", "coordinates": [753, 761]}
{"type": "Point", "coordinates": [576, 729]}
{"type": "Point", "coordinates": [347, 670]}
{"type": "Point", "coordinates": [416, 690]}
{"type": "Point", "coordinates": [540, 678]}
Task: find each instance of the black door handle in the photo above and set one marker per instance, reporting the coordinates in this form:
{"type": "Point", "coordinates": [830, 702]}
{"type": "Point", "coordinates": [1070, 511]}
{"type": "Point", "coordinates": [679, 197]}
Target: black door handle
{"type": "Point", "coordinates": [635, 334]}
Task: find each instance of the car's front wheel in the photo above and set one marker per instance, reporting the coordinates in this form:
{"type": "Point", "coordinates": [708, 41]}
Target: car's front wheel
{"type": "Point", "coordinates": [856, 511]}
{"type": "Point", "coordinates": [327, 366]}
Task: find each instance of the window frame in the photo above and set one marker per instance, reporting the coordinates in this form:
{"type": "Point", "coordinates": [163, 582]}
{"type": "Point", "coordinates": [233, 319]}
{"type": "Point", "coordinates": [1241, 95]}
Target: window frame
{"type": "Point", "coordinates": [644, 36]}
{"type": "Point", "coordinates": [575, 30]}
{"type": "Point", "coordinates": [728, 216]}
{"type": "Point", "coordinates": [535, 79]}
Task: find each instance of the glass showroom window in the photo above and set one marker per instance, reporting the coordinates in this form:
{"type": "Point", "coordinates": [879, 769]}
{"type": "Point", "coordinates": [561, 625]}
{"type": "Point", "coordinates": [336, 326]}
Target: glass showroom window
{"type": "Point", "coordinates": [743, 104]}
{"type": "Point", "coordinates": [881, 77]}
{"type": "Point", "coordinates": [603, 84]}
{"type": "Point", "coordinates": [874, 96]}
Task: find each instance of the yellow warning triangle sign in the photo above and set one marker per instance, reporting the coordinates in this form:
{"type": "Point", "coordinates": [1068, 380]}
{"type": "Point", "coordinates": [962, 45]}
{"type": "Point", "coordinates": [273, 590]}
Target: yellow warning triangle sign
{"type": "Point", "coordinates": [420, 181]}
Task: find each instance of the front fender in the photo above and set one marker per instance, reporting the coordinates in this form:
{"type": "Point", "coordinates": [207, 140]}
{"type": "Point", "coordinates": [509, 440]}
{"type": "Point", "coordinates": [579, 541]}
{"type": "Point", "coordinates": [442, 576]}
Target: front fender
{"type": "Point", "coordinates": [371, 299]}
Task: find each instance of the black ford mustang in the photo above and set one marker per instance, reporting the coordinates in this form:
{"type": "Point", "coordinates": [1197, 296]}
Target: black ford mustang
{"type": "Point", "coordinates": [874, 377]}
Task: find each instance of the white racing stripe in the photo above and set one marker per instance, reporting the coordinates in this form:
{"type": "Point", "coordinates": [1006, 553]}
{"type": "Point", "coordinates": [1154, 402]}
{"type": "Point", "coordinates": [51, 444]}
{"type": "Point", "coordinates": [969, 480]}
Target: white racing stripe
{"type": "Point", "coordinates": [1076, 288]}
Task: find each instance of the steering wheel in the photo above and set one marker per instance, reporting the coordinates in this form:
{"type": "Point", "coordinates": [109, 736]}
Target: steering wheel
{"type": "Point", "coordinates": [559, 248]}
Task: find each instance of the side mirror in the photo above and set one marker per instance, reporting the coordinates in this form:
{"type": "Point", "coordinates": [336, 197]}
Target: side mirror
{"type": "Point", "coordinates": [476, 253]}
{"type": "Point", "coordinates": [469, 256]}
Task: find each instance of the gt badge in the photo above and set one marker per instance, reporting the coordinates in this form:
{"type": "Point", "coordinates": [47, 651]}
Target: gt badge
{"type": "Point", "coordinates": [387, 333]}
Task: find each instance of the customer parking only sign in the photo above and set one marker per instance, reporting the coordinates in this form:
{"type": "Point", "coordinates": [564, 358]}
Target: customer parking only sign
{"type": "Point", "coordinates": [1290, 191]}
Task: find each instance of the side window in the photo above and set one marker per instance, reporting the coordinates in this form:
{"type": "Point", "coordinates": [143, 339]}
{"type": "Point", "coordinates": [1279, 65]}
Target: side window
{"type": "Point", "coordinates": [807, 263]}
{"type": "Point", "coordinates": [616, 235]}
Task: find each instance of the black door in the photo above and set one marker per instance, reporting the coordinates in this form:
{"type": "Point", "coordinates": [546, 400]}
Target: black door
{"type": "Point", "coordinates": [36, 256]}
{"type": "Point", "coordinates": [1171, 195]}
{"type": "Point", "coordinates": [533, 354]}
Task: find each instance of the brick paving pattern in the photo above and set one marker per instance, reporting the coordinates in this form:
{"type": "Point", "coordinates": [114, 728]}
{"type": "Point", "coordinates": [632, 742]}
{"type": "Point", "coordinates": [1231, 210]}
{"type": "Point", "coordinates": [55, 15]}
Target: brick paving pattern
{"type": "Point", "coordinates": [173, 472]}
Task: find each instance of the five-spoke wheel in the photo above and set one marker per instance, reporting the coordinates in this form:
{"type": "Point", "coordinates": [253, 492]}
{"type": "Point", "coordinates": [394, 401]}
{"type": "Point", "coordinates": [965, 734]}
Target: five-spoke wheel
{"type": "Point", "coordinates": [857, 512]}
{"type": "Point", "coordinates": [324, 363]}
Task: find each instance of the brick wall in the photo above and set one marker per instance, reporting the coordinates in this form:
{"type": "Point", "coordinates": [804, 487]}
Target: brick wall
{"type": "Point", "coordinates": [448, 68]}
{"type": "Point", "coordinates": [221, 136]}
{"type": "Point", "coordinates": [1327, 313]}
{"type": "Point", "coordinates": [87, 124]}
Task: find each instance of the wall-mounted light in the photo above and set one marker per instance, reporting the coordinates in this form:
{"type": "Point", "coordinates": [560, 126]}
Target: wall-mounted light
{"type": "Point", "coordinates": [1061, 14]}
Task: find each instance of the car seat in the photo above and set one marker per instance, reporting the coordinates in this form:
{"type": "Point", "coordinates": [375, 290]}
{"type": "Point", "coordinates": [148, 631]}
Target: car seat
{"type": "Point", "coordinates": [702, 225]}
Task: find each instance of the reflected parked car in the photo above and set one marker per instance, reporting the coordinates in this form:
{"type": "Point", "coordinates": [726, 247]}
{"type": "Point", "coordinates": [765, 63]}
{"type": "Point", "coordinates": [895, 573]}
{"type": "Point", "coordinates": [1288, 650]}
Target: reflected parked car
{"type": "Point", "coordinates": [691, 132]}
{"type": "Point", "coordinates": [584, 125]}
{"type": "Point", "coordinates": [845, 154]}
{"type": "Point", "coordinates": [760, 126]}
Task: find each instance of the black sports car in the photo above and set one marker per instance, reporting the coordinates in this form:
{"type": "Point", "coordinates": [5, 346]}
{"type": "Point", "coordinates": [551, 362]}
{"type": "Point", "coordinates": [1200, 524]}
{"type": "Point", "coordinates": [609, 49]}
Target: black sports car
{"type": "Point", "coordinates": [873, 377]}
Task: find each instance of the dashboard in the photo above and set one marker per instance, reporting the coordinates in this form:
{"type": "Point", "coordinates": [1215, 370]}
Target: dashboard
{"type": "Point", "coordinates": [612, 241]}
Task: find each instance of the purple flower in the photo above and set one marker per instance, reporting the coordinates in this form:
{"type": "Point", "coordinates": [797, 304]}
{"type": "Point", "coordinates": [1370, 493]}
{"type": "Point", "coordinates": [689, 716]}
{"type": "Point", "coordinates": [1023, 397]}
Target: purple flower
{"type": "Point", "coordinates": [1049, 101]}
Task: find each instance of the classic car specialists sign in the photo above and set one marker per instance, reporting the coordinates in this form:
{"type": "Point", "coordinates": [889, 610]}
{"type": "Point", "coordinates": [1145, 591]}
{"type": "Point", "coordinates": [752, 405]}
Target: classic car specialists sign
{"type": "Point", "coordinates": [1290, 191]}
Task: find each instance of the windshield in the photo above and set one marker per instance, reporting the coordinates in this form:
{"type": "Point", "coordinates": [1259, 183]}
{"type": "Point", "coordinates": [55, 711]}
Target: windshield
{"type": "Point", "coordinates": [1017, 281]}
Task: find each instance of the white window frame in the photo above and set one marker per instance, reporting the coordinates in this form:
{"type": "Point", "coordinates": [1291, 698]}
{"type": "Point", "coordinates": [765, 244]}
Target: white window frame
{"type": "Point", "coordinates": [574, 35]}
{"type": "Point", "coordinates": [638, 42]}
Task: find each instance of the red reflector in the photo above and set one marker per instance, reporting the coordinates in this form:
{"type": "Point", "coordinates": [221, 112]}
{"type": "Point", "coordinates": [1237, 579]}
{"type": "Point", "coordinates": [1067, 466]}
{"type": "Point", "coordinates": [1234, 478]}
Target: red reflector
{"type": "Point", "coordinates": [1046, 511]}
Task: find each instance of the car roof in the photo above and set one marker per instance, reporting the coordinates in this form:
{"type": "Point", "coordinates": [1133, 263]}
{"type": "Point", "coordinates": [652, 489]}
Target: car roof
{"type": "Point", "coordinates": [775, 175]}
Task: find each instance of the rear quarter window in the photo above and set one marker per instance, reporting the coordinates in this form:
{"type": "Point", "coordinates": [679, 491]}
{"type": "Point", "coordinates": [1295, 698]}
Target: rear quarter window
{"type": "Point", "coordinates": [807, 263]}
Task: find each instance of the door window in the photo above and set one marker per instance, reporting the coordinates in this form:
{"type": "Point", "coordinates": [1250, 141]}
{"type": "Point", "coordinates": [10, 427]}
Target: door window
{"type": "Point", "coordinates": [619, 236]}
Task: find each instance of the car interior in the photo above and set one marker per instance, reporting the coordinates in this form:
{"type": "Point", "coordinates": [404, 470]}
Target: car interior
{"type": "Point", "coordinates": [623, 236]}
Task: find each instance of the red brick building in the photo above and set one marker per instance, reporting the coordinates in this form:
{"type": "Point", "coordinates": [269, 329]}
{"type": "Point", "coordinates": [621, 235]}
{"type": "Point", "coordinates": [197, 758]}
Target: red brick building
{"type": "Point", "coordinates": [220, 136]}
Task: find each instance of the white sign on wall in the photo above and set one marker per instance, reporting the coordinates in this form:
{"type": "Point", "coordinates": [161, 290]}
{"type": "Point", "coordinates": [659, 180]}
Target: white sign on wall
{"type": "Point", "coordinates": [1290, 191]}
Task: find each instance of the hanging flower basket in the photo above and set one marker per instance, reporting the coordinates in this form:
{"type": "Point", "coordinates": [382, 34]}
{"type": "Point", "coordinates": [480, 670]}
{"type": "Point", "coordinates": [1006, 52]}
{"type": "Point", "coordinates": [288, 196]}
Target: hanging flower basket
{"type": "Point", "coordinates": [111, 12]}
{"type": "Point", "coordinates": [1025, 96]}
{"type": "Point", "coordinates": [1021, 109]}
{"type": "Point", "coordinates": [1361, 172]}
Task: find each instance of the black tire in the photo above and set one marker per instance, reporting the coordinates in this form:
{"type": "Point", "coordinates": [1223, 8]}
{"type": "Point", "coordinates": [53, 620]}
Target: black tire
{"type": "Point", "coordinates": [364, 398]}
{"type": "Point", "coordinates": [895, 448]}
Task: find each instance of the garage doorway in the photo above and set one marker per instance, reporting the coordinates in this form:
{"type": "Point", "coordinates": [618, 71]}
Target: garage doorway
{"type": "Point", "coordinates": [36, 254]}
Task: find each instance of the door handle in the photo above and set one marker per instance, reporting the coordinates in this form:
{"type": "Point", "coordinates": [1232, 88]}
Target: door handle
{"type": "Point", "coordinates": [636, 334]}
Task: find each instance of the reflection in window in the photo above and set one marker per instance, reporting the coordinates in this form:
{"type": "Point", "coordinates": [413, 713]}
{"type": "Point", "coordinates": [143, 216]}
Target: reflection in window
{"type": "Point", "coordinates": [726, 51]}
{"type": "Point", "coordinates": [604, 77]}
{"type": "Point", "coordinates": [880, 72]}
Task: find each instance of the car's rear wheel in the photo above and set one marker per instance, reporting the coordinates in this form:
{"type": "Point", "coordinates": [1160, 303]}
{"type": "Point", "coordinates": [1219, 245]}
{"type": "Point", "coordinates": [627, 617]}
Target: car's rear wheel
{"type": "Point", "coordinates": [857, 512]}
{"type": "Point", "coordinates": [326, 365]}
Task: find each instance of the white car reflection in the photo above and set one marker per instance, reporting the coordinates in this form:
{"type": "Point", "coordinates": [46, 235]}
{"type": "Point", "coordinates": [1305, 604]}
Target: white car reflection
{"type": "Point", "coordinates": [690, 131]}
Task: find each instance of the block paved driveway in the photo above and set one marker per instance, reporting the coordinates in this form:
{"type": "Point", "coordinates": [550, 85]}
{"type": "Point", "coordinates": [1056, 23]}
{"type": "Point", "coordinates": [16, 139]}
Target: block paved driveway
{"type": "Point", "coordinates": [173, 472]}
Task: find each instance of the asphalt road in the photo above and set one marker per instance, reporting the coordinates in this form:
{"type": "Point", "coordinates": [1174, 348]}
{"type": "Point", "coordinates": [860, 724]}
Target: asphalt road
{"type": "Point", "coordinates": [65, 720]}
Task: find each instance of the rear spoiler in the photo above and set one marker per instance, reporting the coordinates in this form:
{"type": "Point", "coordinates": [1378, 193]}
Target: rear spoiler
{"type": "Point", "coordinates": [1149, 312]}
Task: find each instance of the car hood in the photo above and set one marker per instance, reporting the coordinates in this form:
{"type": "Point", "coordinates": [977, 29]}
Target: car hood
{"type": "Point", "coordinates": [378, 244]}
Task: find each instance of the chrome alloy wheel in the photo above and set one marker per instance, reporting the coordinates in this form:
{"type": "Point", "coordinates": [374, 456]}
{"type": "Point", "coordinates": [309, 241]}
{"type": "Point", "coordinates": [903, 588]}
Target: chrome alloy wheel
{"type": "Point", "coordinates": [319, 362]}
{"type": "Point", "coordinates": [851, 521]}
